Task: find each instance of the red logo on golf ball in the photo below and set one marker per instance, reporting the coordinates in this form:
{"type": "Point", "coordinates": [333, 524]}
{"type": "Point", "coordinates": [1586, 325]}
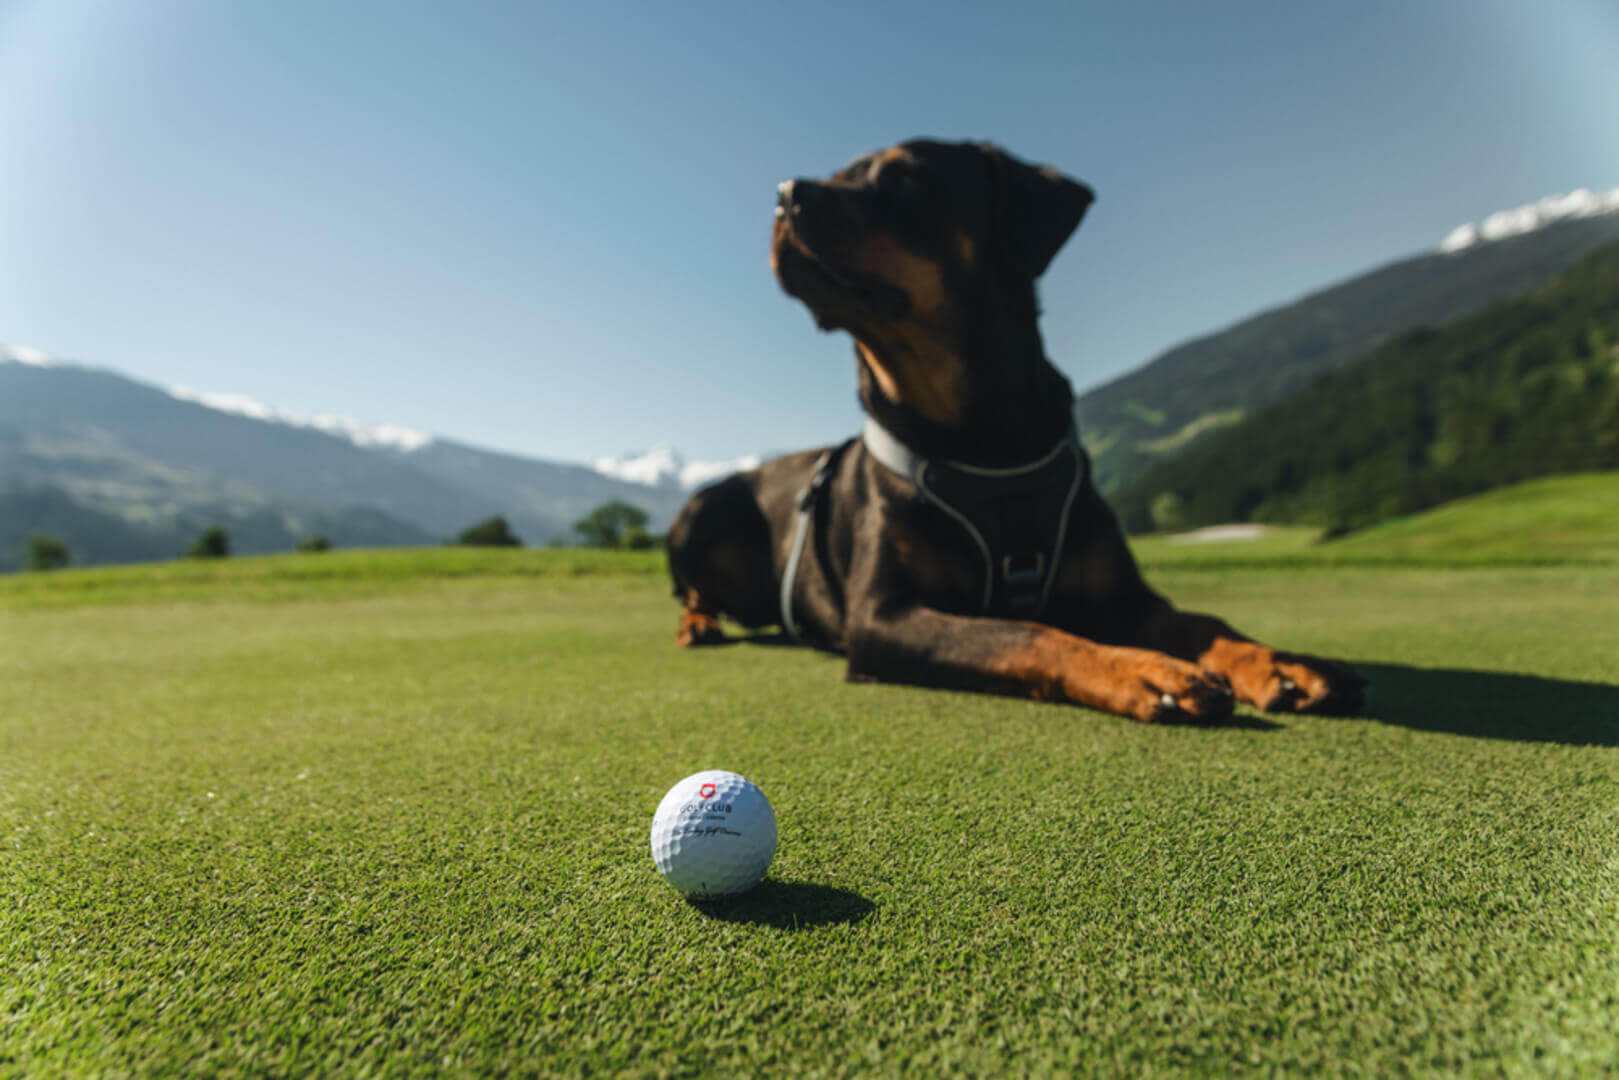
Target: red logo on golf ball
{"type": "Point", "coordinates": [706, 791]}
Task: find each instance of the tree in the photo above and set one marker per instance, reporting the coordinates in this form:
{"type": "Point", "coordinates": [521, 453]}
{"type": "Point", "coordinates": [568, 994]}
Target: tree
{"type": "Point", "coordinates": [490, 532]}
{"type": "Point", "coordinates": [637, 538]}
{"type": "Point", "coordinates": [45, 553]}
{"type": "Point", "coordinates": [214, 543]}
{"type": "Point", "coordinates": [314, 543]}
{"type": "Point", "coordinates": [1168, 512]}
{"type": "Point", "coordinates": [614, 525]}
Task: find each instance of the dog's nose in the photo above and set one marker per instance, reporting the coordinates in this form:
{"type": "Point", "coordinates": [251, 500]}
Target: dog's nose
{"type": "Point", "coordinates": [793, 195]}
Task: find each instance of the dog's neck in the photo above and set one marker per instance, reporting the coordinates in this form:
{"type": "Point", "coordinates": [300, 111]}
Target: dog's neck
{"type": "Point", "coordinates": [1016, 406]}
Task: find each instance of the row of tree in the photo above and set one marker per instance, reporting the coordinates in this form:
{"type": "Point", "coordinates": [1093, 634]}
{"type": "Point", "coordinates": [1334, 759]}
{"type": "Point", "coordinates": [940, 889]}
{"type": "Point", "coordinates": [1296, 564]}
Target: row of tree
{"type": "Point", "coordinates": [43, 552]}
{"type": "Point", "coordinates": [616, 525]}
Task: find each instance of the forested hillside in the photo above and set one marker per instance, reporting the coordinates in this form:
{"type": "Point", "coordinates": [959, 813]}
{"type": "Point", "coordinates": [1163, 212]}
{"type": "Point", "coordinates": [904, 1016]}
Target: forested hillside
{"type": "Point", "coordinates": [1527, 387]}
{"type": "Point", "coordinates": [1213, 382]}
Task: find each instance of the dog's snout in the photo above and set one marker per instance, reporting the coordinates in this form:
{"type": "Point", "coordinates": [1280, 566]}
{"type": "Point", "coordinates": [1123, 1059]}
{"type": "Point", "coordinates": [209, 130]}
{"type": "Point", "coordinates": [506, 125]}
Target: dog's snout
{"type": "Point", "coordinates": [792, 196]}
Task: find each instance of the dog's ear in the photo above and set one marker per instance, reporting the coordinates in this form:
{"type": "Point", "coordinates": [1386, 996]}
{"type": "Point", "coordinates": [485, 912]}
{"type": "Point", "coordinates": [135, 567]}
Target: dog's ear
{"type": "Point", "coordinates": [1037, 209]}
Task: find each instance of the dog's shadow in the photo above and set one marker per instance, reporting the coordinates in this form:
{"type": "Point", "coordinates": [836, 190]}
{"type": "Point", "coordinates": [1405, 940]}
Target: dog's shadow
{"type": "Point", "coordinates": [788, 905]}
{"type": "Point", "coordinates": [1484, 704]}
{"type": "Point", "coordinates": [1492, 704]}
{"type": "Point", "coordinates": [767, 638]}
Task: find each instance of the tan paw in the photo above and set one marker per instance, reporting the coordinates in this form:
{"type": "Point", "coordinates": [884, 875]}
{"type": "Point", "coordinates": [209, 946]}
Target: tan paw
{"type": "Point", "coordinates": [1291, 682]}
{"type": "Point", "coordinates": [1174, 692]}
{"type": "Point", "coordinates": [698, 628]}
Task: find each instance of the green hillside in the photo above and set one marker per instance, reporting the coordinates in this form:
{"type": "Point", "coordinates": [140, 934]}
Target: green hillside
{"type": "Point", "coordinates": [1528, 387]}
{"type": "Point", "coordinates": [91, 536]}
{"type": "Point", "coordinates": [1555, 520]}
{"type": "Point", "coordinates": [1196, 389]}
{"type": "Point", "coordinates": [1552, 519]}
{"type": "Point", "coordinates": [162, 531]}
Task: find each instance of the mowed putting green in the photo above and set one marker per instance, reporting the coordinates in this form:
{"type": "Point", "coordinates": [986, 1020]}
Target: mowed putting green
{"type": "Point", "coordinates": [387, 814]}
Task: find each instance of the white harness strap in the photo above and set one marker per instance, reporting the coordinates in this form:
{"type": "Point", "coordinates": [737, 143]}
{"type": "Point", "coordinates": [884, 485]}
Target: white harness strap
{"type": "Point", "coordinates": [806, 506]}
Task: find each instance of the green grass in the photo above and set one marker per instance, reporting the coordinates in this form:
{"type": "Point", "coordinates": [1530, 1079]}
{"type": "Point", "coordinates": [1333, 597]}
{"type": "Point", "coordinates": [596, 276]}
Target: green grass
{"type": "Point", "coordinates": [1289, 545]}
{"type": "Point", "coordinates": [1568, 520]}
{"type": "Point", "coordinates": [331, 573]}
{"type": "Point", "coordinates": [1554, 519]}
{"type": "Point", "coordinates": [386, 814]}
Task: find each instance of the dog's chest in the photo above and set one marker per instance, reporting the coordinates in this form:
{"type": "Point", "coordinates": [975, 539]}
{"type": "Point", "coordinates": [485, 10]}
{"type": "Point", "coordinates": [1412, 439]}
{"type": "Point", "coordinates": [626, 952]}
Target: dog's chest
{"type": "Point", "coordinates": [989, 540]}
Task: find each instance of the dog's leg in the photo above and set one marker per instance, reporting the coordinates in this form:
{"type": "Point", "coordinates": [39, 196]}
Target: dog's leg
{"type": "Point", "coordinates": [924, 647]}
{"type": "Point", "coordinates": [698, 626]}
{"type": "Point", "coordinates": [719, 558]}
{"type": "Point", "coordinates": [1274, 680]}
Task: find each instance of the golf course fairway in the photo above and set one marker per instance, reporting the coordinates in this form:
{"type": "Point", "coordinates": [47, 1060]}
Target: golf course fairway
{"type": "Point", "coordinates": [387, 813]}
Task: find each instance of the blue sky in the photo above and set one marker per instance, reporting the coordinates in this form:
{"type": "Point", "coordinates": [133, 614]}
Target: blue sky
{"type": "Point", "coordinates": [543, 228]}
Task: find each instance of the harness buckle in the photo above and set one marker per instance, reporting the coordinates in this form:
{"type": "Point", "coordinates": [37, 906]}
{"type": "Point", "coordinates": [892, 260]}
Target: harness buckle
{"type": "Point", "coordinates": [1029, 574]}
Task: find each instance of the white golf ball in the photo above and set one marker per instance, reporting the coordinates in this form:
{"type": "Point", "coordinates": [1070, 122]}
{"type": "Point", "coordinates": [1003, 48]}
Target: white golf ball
{"type": "Point", "coordinates": [714, 834]}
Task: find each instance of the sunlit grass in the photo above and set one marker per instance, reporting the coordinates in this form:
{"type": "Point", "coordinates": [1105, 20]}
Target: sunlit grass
{"type": "Point", "coordinates": [1558, 520]}
{"type": "Point", "coordinates": [261, 577]}
{"type": "Point", "coordinates": [387, 814]}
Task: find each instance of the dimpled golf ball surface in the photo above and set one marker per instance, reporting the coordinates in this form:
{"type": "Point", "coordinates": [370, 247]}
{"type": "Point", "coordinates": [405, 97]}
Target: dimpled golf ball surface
{"type": "Point", "coordinates": [714, 834]}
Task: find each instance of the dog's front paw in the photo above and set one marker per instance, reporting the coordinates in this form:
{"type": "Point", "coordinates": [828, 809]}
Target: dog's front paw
{"type": "Point", "coordinates": [1174, 692]}
{"type": "Point", "coordinates": [698, 628]}
{"type": "Point", "coordinates": [1291, 682]}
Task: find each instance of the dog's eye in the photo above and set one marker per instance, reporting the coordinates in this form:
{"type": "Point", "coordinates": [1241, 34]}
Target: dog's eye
{"type": "Point", "coordinates": [898, 177]}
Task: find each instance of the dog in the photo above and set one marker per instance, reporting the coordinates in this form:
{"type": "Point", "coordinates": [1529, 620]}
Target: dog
{"type": "Point", "coordinates": [959, 541]}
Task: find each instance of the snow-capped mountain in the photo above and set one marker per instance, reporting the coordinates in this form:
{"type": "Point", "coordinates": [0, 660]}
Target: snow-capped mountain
{"type": "Point", "coordinates": [358, 432]}
{"type": "Point", "coordinates": [1135, 422]}
{"type": "Point", "coordinates": [661, 467]}
{"type": "Point", "coordinates": [25, 354]}
{"type": "Point", "coordinates": [664, 467]}
{"type": "Point", "coordinates": [1582, 202]}
{"type": "Point", "coordinates": [142, 466]}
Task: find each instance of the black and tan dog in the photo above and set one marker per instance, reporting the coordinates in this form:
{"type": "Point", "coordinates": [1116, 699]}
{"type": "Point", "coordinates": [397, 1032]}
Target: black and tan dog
{"type": "Point", "coordinates": [959, 541]}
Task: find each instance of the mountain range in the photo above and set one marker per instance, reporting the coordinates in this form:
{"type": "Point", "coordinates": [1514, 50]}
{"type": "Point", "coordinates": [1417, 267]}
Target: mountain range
{"type": "Point", "coordinates": [1527, 387]}
{"type": "Point", "coordinates": [1165, 407]}
{"type": "Point", "coordinates": [664, 467]}
{"type": "Point", "coordinates": [661, 466]}
{"type": "Point", "coordinates": [122, 470]}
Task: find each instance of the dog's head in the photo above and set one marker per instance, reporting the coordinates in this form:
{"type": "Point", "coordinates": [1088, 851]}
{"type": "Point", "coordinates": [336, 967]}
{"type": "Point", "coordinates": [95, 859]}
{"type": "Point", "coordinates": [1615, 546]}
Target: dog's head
{"type": "Point", "coordinates": [927, 254]}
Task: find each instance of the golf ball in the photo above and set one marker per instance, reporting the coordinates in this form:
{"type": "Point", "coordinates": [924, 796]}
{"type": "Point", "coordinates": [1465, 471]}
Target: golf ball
{"type": "Point", "coordinates": [714, 834]}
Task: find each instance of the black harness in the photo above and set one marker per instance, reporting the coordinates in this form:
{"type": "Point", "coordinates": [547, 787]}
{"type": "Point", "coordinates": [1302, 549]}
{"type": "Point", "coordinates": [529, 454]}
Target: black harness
{"type": "Point", "coordinates": [1016, 517]}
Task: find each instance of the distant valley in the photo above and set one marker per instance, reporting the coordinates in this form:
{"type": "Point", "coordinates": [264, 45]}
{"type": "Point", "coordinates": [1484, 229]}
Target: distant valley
{"type": "Point", "coordinates": [122, 470]}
